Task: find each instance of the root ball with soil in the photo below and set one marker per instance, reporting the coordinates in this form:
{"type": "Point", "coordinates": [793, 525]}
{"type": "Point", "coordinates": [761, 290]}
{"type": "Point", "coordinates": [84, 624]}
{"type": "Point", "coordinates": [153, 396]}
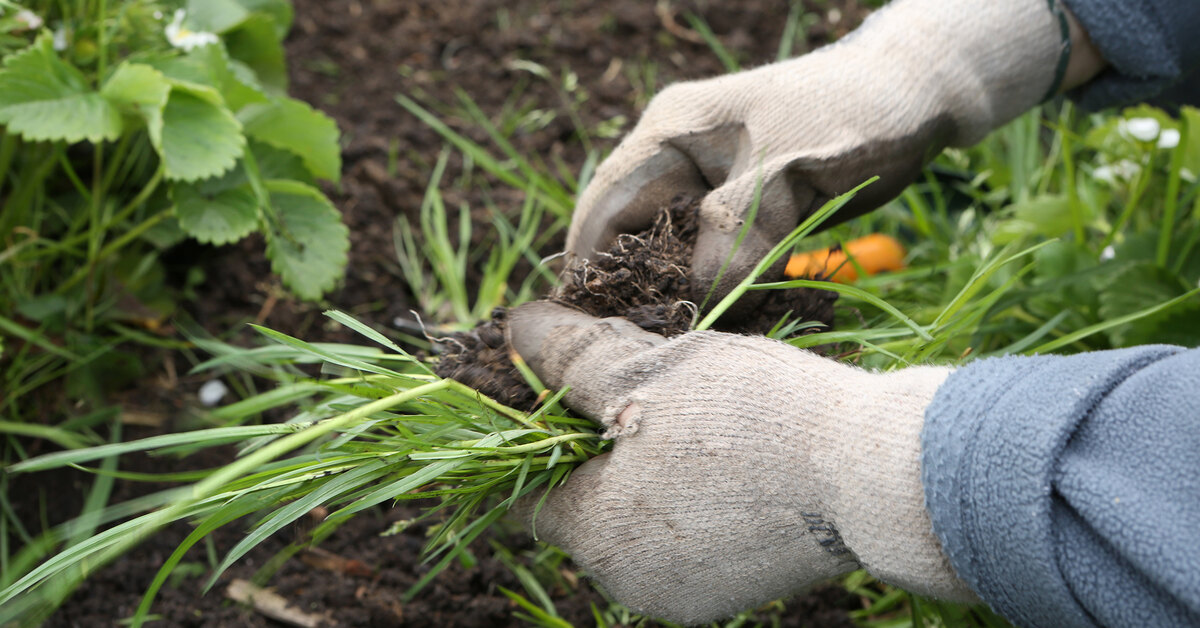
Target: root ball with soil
{"type": "Point", "coordinates": [644, 277]}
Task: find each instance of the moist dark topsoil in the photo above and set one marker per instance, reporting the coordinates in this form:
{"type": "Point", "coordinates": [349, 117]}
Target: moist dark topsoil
{"type": "Point", "coordinates": [350, 58]}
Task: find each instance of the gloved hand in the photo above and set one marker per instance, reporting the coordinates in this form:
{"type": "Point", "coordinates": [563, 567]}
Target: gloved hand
{"type": "Point", "coordinates": [917, 76]}
{"type": "Point", "coordinates": [743, 470]}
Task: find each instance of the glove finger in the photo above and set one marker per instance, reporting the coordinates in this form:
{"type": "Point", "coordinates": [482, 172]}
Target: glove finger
{"type": "Point", "coordinates": [564, 513]}
{"type": "Point", "coordinates": [567, 348]}
{"type": "Point", "coordinates": [639, 178]}
{"type": "Point", "coordinates": [723, 214]}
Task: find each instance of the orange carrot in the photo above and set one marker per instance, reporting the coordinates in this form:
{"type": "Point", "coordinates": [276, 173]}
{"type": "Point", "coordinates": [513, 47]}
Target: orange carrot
{"type": "Point", "coordinates": [874, 253]}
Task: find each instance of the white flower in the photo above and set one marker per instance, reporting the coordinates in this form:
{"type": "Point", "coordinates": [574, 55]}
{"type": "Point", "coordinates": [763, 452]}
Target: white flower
{"type": "Point", "coordinates": [185, 39]}
{"type": "Point", "coordinates": [212, 392]}
{"type": "Point", "coordinates": [158, 15]}
{"type": "Point", "coordinates": [60, 39]}
{"type": "Point", "coordinates": [1169, 139]}
{"type": "Point", "coordinates": [1108, 253]}
{"type": "Point", "coordinates": [1141, 129]}
{"type": "Point", "coordinates": [1123, 170]}
{"type": "Point", "coordinates": [32, 20]}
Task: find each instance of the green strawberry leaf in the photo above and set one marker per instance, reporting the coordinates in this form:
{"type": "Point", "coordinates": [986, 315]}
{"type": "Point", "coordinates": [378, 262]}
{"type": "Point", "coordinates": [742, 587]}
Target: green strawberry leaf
{"type": "Point", "coordinates": [279, 163]}
{"type": "Point", "coordinates": [240, 86]}
{"type": "Point", "coordinates": [44, 99]}
{"type": "Point", "coordinates": [211, 66]}
{"type": "Point", "coordinates": [293, 125]}
{"type": "Point", "coordinates": [215, 16]}
{"type": "Point", "coordinates": [256, 43]}
{"type": "Point", "coordinates": [309, 249]}
{"type": "Point", "coordinates": [197, 137]}
{"type": "Point", "coordinates": [193, 67]}
{"type": "Point", "coordinates": [280, 11]}
{"type": "Point", "coordinates": [219, 217]}
{"type": "Point", "coordinates": [137, 89]}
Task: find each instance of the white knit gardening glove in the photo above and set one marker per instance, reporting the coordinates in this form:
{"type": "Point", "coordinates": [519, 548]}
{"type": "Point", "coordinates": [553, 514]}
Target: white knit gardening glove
{"type": "Point", "coordinates": [917, 76]}
{"type": "Point", "coordinates": [743, 471]}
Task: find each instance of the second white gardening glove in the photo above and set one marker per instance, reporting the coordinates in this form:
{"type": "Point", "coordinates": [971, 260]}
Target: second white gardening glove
{"type": "Point", "coordinates": [743, 471]}
{"type": "Point", "coordinates": [917, 76]}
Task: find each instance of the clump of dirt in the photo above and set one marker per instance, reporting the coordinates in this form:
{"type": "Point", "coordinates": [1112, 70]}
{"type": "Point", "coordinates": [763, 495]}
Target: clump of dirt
{"type": "Point", "coordinates": [643, 277]}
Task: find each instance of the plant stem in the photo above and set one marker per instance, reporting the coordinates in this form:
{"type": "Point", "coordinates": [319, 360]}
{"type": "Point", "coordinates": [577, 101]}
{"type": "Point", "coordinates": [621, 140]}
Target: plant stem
{"type": "Point", "coordinates": [95, 229]}
{"type": "Point", "coordinates": [113, 246]}
{"type": "Point", "coordinates": [1139, 188]}
{"type": "Point", "coordinates": [123, 213]}
{"type": "Point", "coordinates": [1186, 251]}
{"type": "Point", "coordinates": [539, 445]}
{"type": "Point", "coordinates": [1068, 160]}
{"type": "Point", "coordinates": [1171, 202]}
{"type": "Point", "coordinates": [102, 40]}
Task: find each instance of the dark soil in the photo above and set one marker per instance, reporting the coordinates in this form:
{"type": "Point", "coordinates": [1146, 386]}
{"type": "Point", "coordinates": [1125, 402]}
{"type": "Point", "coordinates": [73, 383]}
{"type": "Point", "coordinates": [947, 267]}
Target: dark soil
{"type": "Point", "coordinates": [644, 277]}
{"type": "Point", "coordinates": [350, 58]}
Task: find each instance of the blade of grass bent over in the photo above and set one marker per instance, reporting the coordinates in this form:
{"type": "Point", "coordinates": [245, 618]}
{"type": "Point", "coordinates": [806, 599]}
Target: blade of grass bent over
{"type": "Point", "coordinates": [850, 291]}
{"type": "Point", "coordinates": [108, 545]}
{"type": "Point", "coordinates": [1121, 320]}
{"type": "Point", "coordinates": [805, 228]}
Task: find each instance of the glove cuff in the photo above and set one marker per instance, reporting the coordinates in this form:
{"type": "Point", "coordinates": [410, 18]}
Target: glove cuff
{"type": "Point", "coordinates": [880, 502]}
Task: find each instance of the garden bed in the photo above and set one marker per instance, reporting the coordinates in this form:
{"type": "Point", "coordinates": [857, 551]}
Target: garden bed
{"type": "Point", "coordinates": [351, 58]}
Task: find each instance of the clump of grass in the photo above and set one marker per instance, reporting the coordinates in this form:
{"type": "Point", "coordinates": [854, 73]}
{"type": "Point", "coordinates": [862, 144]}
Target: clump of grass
{"type": "Point", "coordinates": [384, 429]}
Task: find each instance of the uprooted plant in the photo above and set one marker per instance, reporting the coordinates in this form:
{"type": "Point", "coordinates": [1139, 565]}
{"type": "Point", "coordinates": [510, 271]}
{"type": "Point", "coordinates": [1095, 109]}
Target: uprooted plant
{"type": "Point", "coordinates": [384, 428]}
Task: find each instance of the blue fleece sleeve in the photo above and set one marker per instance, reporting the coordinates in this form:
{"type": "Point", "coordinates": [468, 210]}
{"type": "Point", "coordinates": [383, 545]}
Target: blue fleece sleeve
{"type": "Point", "coordinates": [1066, 489]}
{"type": "Point", "coordinates": [1153, 49]}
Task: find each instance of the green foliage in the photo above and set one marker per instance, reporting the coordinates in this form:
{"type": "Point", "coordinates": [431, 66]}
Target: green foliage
{"type": "Point", "coordinates": [1058, 233]}
{"type": "Point", "coordinates": [43, 98]}
{"type": "Point", "coordinates": [309, 248]}
{"type": "Point", "coordinates": [126, 127]}
{"type": "Point", "coordinates": [435, 256]}
{"type": "Point", "coordinates": [383, 429]}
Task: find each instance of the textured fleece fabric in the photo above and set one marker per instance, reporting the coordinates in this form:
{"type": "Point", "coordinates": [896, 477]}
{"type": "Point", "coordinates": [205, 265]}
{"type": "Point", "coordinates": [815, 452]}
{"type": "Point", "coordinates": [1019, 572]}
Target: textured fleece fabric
{"type": "Point", "coordinates": [1153, 47]}
{"type": "Point", "coordinates": [1066, 489]}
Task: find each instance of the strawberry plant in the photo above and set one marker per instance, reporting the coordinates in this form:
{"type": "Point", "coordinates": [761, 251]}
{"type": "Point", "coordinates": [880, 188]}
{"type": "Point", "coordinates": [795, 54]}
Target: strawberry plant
{"type": "Point", "coordinates": [126, 127]}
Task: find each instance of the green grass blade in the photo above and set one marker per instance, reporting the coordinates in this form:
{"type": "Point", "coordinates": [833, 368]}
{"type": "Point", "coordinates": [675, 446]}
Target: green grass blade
{"type": "Point", "coordinates": [850, 291]}
{"type": "Point", "coordinates": [210, 437]}
{"type": "Point", "coordinates": [979, 280]}
{"type": "Point", "coordinates": [702, 28]}
{"type": "Point", "coordinates": [328, 356]}
{"type": "Point", "coordinates": [326, 493]}
{"type": "Point", "coordinates": [790, 27]}
{"type": "Point", "coordinates": [228, 513]}
{"type": "Point", "coordinates": [1120, 320]}
{"type": "Point", "coordinates": [785, 245]}
{"type": "Point", "coordinates": [371, 334]}
{"type": "Point", "coordinates": [543, 618]}
{"type": "Point", "coordinates": [60, 437]}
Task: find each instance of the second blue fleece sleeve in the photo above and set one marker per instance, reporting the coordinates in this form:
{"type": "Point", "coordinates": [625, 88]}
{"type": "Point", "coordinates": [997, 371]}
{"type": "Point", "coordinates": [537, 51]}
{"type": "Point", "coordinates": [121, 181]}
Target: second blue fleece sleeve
{"type": "Point", "coordinates": [1066, 490]}
{"type": "Point", "coordinates": [1151, 45]}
